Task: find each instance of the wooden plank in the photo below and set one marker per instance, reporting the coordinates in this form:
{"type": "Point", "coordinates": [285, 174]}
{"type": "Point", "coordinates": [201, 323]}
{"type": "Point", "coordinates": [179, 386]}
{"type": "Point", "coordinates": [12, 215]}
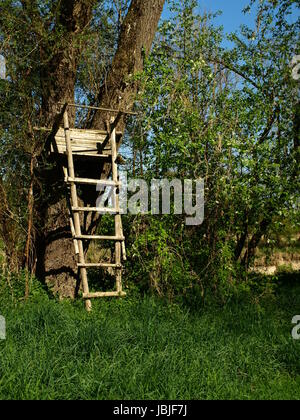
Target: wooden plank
{"type": "Point", "coordinates": [76, 133]}
{"type": "Point", "coordinates": [84, 150]}
{"type": "Point", "coordinates": [81, 153]}
{"type": "Point", "coordinates": [99, 238]}
{"type": "Point", "coordinates": [103, 294]}
{"type": "Point", "coordinates": [99, 108]}
{"type": "Point", "coordinates": [79, 130]}
{"type": "Point", "coordinates": [95, 144]}
{"type": "Point", "coordinates": [91, 148]}
{"type": "Point", "coordinates": [82, 146]}
{"type": "Point", "coordinates": [81, 143]}
{"type": "Point", "coordinates": [62, 150]}
{"type": "Point", "coordinates": [78, 142]}
{"type": "Point", "coordinates": [82, 140]}
{"type": "Point", "coordinates": [89, 181]}
{"type": "Point", "coordinates": [85, 142]}
{"type": "Point", "coordinates": [94, 210]}
{"type": "Point", "coordinates": [88, 131]}
{"type": "Point", "coordinates": [99, 265]}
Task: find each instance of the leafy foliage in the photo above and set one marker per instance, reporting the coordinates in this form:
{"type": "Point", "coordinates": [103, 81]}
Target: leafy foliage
{"type": "Point", "coordinates": [228, 116]}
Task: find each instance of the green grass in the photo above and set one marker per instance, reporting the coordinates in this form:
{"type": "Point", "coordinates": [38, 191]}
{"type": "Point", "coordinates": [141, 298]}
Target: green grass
{"type": "Point", "coordinates": [147, 349]}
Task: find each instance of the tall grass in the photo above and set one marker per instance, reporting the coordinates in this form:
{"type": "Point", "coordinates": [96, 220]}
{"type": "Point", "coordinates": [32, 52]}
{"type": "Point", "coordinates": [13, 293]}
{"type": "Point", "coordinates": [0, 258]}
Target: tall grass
{"type": "Point", "coordinates": [148, 349]}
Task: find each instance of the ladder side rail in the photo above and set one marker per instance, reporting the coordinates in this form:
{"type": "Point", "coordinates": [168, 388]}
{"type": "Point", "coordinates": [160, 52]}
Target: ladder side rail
{"type": "Point", "coordinates": [75, 241]}
{"type": "Point", "coordinates": [74, 199]}
{"type": "Point", "coordinates": [124, 255]}
{"type": "Point", "coordinates": [117, 206]}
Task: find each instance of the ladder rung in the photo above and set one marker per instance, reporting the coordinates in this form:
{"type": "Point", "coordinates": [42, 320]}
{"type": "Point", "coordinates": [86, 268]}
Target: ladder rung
{"type": "Point", "coordinates": [95, 210]}
{"type": "Point", "coordinates": [100, 132]}
{"type": "Point", "coordinates": [88, 181]}
{"type": "Point", "coordinates": [99, 265]}
{"type": "Point", "coordinates": [91, 154]}
{"type": "Point", "coordinates": [100, 238]}
{"type": "Point", "coordinates": [103, 294]}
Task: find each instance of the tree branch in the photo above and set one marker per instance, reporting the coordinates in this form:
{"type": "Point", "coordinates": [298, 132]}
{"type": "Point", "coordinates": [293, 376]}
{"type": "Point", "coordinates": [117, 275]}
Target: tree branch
{"type": "Point", "coordinates": [135, 41]}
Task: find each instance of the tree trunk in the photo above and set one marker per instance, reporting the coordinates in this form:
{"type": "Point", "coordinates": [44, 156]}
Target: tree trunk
{"type": "Point", "coordinates": [8, 231]}
{"type": "Point", "coordinates": [255, 240]}
{"type": "Point", "coordinates": [56, 260]}
{"type": "Point", "coordinates": [55, 256]}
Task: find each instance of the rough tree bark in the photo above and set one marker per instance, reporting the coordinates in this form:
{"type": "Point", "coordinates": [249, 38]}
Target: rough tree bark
{"type": "Point", "coordinates": [58, 77]}
{"type": "Point", "coordinates": [56, 262]}
{"type": "Point", "coordinates": [136, 37]}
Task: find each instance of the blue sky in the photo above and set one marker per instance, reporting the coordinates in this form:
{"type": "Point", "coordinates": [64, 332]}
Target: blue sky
{"type": "Point", "coordinates": [232, 17]}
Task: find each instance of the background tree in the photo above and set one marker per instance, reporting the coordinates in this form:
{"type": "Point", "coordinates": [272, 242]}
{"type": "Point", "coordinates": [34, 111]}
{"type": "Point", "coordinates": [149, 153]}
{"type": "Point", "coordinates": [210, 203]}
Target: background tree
{"type": "Point", "coordinates": [225, 115]}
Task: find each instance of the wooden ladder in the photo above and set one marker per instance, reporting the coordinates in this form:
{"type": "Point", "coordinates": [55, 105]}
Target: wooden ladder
{"type": "Point", "coordinates": [76, 210]}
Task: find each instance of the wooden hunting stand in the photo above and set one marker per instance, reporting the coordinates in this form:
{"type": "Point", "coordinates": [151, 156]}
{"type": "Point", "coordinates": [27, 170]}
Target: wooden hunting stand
{"type": "Point", "coordinates": [90, 144]}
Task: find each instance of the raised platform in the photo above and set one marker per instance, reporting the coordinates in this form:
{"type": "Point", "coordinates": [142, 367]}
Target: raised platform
{"type": "Point", "coordinates": [84, 142]}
